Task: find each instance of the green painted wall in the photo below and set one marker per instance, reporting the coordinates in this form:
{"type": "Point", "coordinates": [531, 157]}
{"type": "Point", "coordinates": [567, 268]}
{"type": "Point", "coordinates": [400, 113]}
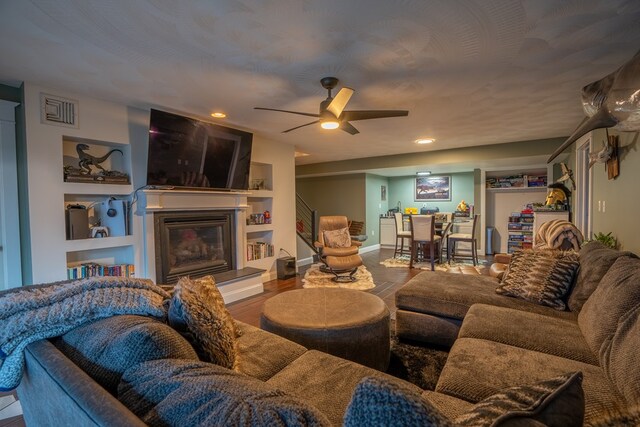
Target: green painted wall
{"type": "Point", "coordinates": [401, 189]}
{"type": "Point", "coordinates": [620, 196]}
{"type": "Point", "coordinates": [375, 206]}
{"type": "Point", "coordinates": [335, 195]}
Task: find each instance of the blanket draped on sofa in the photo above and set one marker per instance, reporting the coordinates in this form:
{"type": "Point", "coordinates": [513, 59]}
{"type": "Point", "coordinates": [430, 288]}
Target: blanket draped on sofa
{"type": "Point", "coordinates": [38, 312]}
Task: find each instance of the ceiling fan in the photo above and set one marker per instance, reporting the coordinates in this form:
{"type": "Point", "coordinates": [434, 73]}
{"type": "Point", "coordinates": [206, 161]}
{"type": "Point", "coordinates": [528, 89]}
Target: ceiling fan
{"type": "Point", "coordinates": [332, 114]}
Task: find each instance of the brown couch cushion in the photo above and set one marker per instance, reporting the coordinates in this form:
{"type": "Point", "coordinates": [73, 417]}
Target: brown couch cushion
{"type": "Point", "coordinates": [541, 277]}
{"type": "Point", "coordinates": [560, 337]}
{"type": "Point", "coordinates": [174, 392]}
{"type": "Point", "coordinates": [197, 310]}
{"type": "Point", "coordinates": [595, 261]}
{"type": "Point", "coordinates": [476, 369]}
{"type": "Point", "coordinates": [451, 295]}
{"type": "Point", "coordinates": [619, 356]}
{"type": "Point", "coordinates": [617, 293]}
{"type": "Point", "coordinates": [104, 349]}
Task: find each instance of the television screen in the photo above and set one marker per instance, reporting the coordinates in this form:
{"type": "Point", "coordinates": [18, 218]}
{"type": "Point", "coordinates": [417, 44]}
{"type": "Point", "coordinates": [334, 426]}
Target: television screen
{"type": "Point", "coordinates": [186, 152]}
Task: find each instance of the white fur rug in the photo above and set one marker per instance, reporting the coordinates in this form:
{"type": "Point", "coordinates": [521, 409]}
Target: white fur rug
{"type": "Point", "coordinates": [314, 278]}
{"type": "Point", "coordinates": [403, 261]}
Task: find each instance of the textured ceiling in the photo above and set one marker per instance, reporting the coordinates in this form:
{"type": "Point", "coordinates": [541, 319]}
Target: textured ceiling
{"type": "Point", "coordinates": [470, 72]}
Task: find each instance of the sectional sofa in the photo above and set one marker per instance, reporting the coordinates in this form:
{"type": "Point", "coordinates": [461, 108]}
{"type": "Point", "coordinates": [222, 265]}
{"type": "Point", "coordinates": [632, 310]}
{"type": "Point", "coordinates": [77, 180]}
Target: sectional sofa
{"type": "Point", "coordinates": [498, 341]}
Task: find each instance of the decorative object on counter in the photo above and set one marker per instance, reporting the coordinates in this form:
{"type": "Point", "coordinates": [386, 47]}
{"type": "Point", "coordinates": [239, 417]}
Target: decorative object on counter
{"type": "Point", "coordinates": [611, 102]}
{"type": "Point", "coordinates": [433, 188]}
{"type": "Point", "coordinates": [462, 207]}
{"type": "Point", "coordinates": [557, 197]}
{"type": "Point", "coordinates": [567, 175]}
{"type": "Point", "coordinates": [84, 173]}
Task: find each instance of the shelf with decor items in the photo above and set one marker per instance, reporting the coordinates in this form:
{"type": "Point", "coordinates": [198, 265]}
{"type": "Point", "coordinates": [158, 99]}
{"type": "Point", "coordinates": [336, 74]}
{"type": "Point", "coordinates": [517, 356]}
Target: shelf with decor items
{"type": "Point", "coordinates": [259, 228]}
{"type": "Point", "coordinates": [97, 209]}
{"type": "Point", "coordinates": [102, 261]}
{"type": "Point", "coordinates": [520, 231]}
{"type": "Point", "coordinates": [533, 180]}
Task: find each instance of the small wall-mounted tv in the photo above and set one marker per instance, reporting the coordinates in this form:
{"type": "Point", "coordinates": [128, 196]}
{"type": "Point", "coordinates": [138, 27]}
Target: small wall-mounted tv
{"type": "Point", "coordinates": [185, 152]}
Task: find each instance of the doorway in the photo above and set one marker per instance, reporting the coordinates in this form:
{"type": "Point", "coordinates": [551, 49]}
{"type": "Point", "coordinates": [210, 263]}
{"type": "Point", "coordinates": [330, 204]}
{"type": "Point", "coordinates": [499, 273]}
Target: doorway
{"type": "Point", "coordinates": [583, 187]}
{"type": "Point", "coordinates": [10, 266]}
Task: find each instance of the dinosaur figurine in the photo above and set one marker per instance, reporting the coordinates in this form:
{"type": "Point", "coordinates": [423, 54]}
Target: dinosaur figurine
{"type": "Point", "coordinates": [611, 102]}
{"type": "Point", "coordinates": [87, 160]}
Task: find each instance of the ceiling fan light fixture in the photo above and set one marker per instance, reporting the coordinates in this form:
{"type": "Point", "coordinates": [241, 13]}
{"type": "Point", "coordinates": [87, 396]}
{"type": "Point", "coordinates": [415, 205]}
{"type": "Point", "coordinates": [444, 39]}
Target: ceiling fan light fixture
{"type": "Point", "coordinates": [218, 115]}
{"type": "Point", "coordinates": [330, 124]}
{"type": "Point", "coordinates": [425, 141]}
{"type": "Point", "coordinates": [423, 173]}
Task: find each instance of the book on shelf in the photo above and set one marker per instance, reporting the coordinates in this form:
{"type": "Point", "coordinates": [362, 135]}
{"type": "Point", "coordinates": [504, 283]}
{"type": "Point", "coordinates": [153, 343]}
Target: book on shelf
{"type": "Point", "coordinates": [93, 269]}
{"type": "Point", "coordinates": [259, 250]}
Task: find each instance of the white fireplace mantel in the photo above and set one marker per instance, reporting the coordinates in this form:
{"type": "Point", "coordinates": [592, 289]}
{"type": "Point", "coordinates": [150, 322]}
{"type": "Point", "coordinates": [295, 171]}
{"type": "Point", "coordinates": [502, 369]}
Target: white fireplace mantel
{"type": "Point", "coordinates": [164, 200]}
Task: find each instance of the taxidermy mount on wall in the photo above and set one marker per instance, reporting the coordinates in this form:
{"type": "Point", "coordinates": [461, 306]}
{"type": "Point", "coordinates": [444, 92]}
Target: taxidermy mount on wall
{"type": "Point", "coordinates": [611, 102]}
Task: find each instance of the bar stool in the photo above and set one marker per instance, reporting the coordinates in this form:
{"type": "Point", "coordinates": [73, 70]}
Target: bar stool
{"type": "Point", "coordinates": [454, 238]}
{"type": "Point", "coordinates": [400, 234]}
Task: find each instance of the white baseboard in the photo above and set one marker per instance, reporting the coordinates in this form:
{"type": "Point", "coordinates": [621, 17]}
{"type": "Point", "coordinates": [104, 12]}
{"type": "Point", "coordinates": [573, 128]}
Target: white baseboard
{"type": "Point", "coordinates": [241, 289]}
{"type": "Point", "coordinates": [304, 261]}
{"type": "Point", "coordinates": [371, 248]}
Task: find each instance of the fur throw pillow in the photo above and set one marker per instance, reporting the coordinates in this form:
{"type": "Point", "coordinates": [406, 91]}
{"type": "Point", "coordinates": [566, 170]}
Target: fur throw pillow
{"type": "Point", "coordinates": [197, 311]}
{"type": "Point", "coordinates": [540, 276]}
{"type": "Point", "coordinates": [339, 238]}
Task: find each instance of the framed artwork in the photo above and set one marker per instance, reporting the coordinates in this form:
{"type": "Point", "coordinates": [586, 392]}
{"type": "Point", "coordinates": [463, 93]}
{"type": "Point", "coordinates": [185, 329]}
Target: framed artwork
{"type": "Point", "coordinates": [383, 193]}
{"type": "Point", "coordinates": [433, 188]}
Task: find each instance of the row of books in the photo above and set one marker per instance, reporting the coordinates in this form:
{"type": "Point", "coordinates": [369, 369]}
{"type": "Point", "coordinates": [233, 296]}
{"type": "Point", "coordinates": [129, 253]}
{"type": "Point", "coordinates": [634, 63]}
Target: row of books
{"type": "Point", "coordinates": [520, 231]}
{"type": "Point", "coordinates": [517, 181]}
{"type": "Point", "coordinates": [259, 250]}
{"type": "Point", "coordinates": [99, 270]}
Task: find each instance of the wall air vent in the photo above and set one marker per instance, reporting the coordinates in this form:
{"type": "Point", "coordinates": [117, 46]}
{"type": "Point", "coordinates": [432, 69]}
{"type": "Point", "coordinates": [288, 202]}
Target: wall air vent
{"type": "Point", "coordinates": [58, 111]}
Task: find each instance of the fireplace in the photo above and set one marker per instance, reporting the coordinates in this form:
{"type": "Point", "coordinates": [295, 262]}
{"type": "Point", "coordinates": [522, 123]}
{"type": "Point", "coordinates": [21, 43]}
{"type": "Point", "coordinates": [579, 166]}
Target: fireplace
{"type": "Point", "coordinates": [193, 243]}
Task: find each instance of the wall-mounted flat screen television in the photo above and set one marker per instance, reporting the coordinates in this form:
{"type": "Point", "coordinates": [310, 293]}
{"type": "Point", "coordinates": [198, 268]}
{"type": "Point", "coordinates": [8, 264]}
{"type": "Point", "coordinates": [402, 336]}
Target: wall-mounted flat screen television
{"type": "Point", "coordinates": [186, 152]}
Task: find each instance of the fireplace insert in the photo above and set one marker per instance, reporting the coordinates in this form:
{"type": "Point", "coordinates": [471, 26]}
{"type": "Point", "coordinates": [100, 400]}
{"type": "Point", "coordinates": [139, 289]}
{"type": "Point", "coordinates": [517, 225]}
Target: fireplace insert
{"type": "Point", "coordinates": [193, 244]}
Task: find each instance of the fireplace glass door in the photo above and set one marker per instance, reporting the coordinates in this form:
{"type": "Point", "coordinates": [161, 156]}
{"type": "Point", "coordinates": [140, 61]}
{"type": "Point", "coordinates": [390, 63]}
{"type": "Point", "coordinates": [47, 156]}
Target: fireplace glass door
{"type": "Point", "coordinates": [193, 245]}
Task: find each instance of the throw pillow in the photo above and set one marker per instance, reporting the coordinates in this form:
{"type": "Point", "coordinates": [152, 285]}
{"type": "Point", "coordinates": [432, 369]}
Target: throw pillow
{"type": "Point", "coordinates": [197, 311]}
{"type": "Point", "coordinates": [104, 349]}
{"type": "Point", "coordinates": [542, 277]}
{"type": "Point", "coordinates": [558, 402]}
{"type": "Point", "coordinates": [595, 261]}
{"type": "Point", "coordinates": [337, 238]}
{"type": "Point", "coordinates": [379, 403]}
{"type": "Point", "coordinates": [617, 294]}
{"type": "Point", "coordinates": [173, 392]}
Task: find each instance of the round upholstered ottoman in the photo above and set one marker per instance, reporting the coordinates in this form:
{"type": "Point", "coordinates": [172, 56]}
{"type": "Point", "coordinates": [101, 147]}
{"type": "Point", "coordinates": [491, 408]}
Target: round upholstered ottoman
{"type": "Point", "coordinates": [350, 324]}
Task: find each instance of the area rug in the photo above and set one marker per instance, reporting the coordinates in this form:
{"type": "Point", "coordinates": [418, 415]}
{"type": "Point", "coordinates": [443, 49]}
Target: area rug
{"type": "Point", "coordinates": [403, 261]}
{"type": "Point", "coordinates": [415, 362]}
{"type": "Point", "coordinates": [314, 278]}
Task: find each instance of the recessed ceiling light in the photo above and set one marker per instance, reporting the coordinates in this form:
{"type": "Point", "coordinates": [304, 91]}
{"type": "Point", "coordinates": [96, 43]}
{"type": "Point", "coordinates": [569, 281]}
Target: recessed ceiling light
{"type": "Point", "coordinates": [424, 141]}
{"type": "Point", "coordinates": [218, 115]}
{"type": "Point", "coordinates": [425, 173]}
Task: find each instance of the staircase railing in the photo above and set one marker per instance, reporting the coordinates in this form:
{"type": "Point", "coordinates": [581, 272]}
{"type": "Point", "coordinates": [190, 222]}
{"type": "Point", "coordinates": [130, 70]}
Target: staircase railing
{"type": "Point", "coordinates": [306, 222]}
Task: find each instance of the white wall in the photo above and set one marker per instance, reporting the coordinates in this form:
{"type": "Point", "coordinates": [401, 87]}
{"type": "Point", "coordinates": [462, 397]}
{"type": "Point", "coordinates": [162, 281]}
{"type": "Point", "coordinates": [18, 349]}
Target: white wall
{"type": "Point", "coordinates": [281, 156]}
{"type": "Point", "coordinates": [117, 123]}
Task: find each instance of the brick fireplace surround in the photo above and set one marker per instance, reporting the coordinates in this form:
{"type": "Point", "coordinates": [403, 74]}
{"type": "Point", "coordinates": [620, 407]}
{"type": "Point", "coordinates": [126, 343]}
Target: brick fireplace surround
{"type": "Point", "coordinates": [239, 282]}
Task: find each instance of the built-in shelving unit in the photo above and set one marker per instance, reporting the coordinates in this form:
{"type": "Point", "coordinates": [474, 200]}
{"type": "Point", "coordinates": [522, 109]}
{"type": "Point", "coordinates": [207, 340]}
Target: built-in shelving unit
{"type": "Point", "coordinates": [97, 212]}
{"type": "Point", "coordinates": [520, 231]}
{"type": "Point", "coordinates": [259, 229]}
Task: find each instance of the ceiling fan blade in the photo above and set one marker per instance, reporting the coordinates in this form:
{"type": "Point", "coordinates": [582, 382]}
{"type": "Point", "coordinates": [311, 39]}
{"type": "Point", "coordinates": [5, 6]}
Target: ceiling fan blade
{"type": "Point", "coordinates": [349, 128]}
{"type": "Point", "coordinates": [287, 111]}
{"type": "Point", "coordinates": [301, 126]}
{"type": "Point", "coordinates": [340, 101]}
{"type": "Point", "coordinates": [372, 114]}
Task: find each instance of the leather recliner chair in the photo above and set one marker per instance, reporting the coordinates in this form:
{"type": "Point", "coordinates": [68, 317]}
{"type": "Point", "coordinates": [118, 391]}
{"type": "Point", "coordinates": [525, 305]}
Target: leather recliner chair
{"type": "Point", "coordinates": [337, 260]}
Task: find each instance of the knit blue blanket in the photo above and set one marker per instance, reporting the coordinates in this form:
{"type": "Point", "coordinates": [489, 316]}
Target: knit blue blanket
{"type": "Point", "coordinates": [33, 313]}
